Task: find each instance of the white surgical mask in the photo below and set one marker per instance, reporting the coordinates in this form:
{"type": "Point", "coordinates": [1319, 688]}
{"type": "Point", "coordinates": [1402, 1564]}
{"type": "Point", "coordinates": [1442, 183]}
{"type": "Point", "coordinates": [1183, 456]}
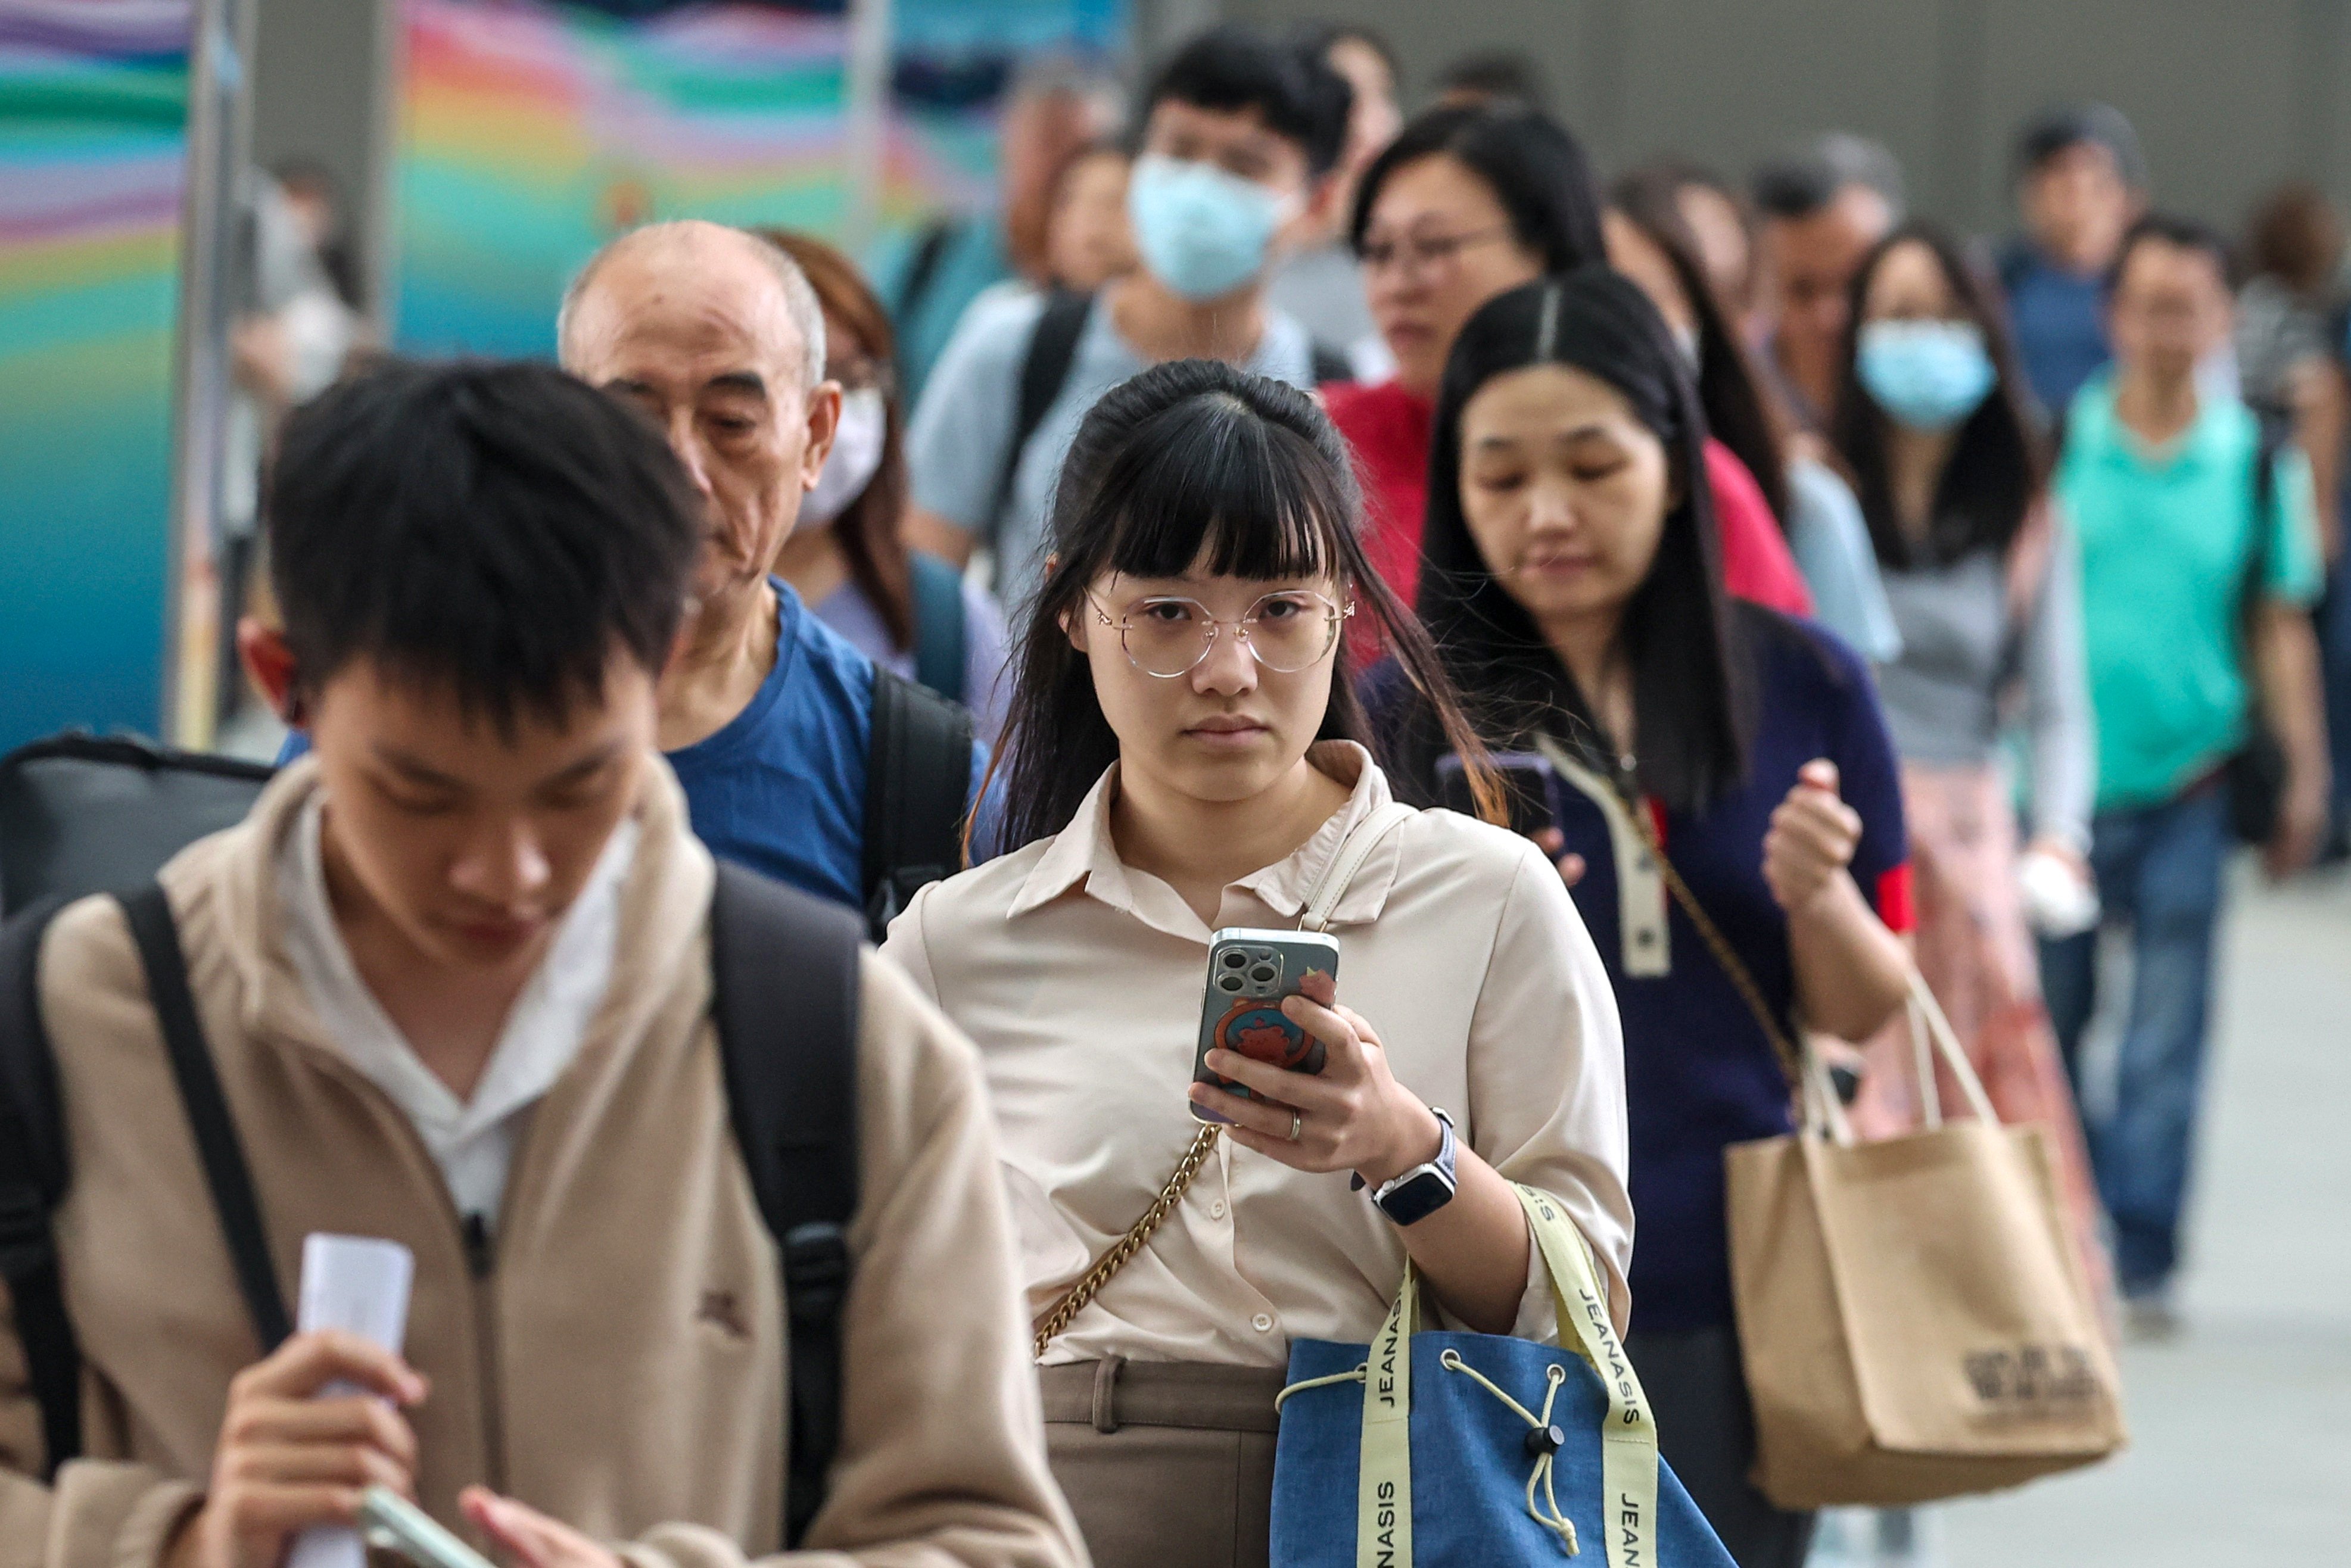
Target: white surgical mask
{"type": "Point", "coordinates": [1202, 231]}
{"type": "Point", "coordinates": [855, 458]}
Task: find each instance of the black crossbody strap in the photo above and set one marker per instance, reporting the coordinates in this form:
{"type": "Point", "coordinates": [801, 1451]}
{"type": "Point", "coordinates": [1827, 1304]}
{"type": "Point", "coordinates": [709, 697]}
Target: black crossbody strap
{"type": "Point", "coordinates": [153, 928]}
{"type": "Point", "coordinates": [784, 974]}
{"type": "Point", "coordinates": [33, 1177]}
{"type": "Point", "coordinates": [917, 787]}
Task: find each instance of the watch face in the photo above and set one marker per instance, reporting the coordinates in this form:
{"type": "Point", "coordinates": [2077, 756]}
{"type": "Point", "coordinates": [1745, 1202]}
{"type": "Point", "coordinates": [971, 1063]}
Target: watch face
{"type": "Point", "coordinates": [1417, 1199]}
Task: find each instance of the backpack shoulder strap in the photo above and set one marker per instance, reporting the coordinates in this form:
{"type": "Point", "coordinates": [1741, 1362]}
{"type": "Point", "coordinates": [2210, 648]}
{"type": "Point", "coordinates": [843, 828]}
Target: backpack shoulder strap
{"type": "Point", "coordinates": [923, 267]}
{"type": "Point", "coordinates": [157, 935]}
{"type": "Point", "coordinates": [2276, 435]}
{"type": "Point", "coordinates": [784, 978]}
{"type": "Point", "coordinates": [939, 630]}
{"type": "Point", "coordinates": [34, 1173]}
{"type": "Point", "coordinates": [1329, 363]}
{"type": "Point", "coordinates": [1052, 350]}
{"type": "Point", "coordinates": [917, 787]}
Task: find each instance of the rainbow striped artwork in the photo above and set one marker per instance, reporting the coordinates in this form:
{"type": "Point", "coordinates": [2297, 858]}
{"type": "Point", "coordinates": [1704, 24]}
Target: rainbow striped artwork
{"type": "Point", "coordinates": [93, 105]}
{"type": "Point", "coordinates": [532, 133]}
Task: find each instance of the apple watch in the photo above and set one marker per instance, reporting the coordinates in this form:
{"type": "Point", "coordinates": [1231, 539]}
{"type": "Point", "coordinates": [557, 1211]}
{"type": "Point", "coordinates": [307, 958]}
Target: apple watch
{"type": "Point", "coordinates": [1415, 1195]}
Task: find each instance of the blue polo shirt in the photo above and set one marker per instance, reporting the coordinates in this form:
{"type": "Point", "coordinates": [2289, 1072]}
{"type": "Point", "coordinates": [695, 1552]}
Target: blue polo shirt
{"type": "Point", "coordinates": [1699, 1072]}
{"type": "Point", "coordinates": [781, 787]}
{"type": "Point", "coordinates": [2167, 537]}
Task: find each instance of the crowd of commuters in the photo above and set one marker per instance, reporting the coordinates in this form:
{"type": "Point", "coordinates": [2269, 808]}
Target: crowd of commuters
{"type": "Point", "coordinates": [1782, 590]}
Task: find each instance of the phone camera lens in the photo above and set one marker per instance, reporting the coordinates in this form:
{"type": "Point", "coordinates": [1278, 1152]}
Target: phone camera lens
{"type": "Point", "coordinates": [1262, 974]}
{"type": "Point", "coordinates": [1230, 982]}
{"type": "Point", "coordinates": [1236, 960]}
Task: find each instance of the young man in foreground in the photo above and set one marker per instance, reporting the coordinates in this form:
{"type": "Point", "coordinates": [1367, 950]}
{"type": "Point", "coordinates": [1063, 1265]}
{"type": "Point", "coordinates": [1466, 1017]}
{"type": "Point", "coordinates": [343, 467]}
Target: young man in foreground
{"type": "Point", "coordinates": [455, 975]}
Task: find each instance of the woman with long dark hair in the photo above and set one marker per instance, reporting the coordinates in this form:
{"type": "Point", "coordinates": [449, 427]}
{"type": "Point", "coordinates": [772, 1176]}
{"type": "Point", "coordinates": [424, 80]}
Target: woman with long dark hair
{"type": "Point", "coordinates": [1693, 746]}
{"type": "Point", "coordinates": [1981, 572]}
{"type": "Point", "coordinates": [846, 557]}
{"type": "Point", "coordinates": [1650, 242]}
{"type": "Point", "coordinates": [1186, 759]}
{"type": "Point", "coordinates": [1462, 206]}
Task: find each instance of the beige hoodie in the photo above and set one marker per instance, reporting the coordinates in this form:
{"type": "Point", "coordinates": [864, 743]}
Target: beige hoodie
{"type": "Point", "coordinates": [621, 1364]}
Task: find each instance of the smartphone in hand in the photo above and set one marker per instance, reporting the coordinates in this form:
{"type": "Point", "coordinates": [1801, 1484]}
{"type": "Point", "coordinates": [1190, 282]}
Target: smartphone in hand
{"type": "Point", "coordinates": [388, 1521]}
{"type": "Point", "coordinates": [1530, 786]}
{"type": "Point", "coordinates": [1250, 972]}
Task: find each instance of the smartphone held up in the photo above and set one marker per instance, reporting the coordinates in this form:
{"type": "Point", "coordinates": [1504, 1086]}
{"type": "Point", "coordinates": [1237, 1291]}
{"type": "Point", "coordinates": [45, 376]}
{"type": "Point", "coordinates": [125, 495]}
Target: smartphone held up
{"type": "Point", "coordinates": [1252, 973]}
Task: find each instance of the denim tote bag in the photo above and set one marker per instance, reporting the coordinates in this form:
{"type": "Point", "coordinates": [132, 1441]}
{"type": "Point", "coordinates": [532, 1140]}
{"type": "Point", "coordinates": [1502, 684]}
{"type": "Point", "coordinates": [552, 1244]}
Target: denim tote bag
{"type": "Point", "coordinates": [1467, 1450]}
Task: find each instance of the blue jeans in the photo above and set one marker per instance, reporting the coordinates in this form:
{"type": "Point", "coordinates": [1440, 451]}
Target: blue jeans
{"type": "Point", "coordinates": [2158, 870]}
{"type": "Point", "coordinates": [2335, 667]}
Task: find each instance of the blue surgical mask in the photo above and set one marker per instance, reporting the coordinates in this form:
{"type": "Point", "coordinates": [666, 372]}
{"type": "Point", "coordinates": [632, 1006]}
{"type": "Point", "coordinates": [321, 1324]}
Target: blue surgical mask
{"type": "Point", "coordinates": [1928, 376]}
{"type": "Point", "coordinates": [1202, 231]}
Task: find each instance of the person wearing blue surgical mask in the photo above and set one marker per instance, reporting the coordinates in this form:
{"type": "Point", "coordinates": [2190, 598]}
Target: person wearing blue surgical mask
{"type": "Point", "coordinates": [1238, 142]}
{"type": "Point", "coordinates": [846, 556]}
{"type": "Point", "coordinates": [1980, 571]}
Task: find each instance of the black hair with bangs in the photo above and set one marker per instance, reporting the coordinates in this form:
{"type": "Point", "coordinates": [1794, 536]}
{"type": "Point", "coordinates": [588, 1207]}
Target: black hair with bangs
{"type": "Point", "coordinates": [1192, 463]}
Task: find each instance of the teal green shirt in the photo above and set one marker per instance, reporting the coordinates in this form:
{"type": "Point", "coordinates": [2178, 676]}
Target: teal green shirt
{"type": "Point", "coordinates": [2166, 537]}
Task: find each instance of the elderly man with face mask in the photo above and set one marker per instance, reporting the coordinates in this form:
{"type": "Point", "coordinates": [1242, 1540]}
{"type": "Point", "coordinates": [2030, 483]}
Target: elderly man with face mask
{"type": "Point", "coordinates": [767, 716]}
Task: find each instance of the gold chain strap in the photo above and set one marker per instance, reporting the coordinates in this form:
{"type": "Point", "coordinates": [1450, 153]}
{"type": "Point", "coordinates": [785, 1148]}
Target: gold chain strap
{"type": "Point", "coordinates": [1791, 1065]}
{"type": "Point", "coordinates": [1060, 1315]}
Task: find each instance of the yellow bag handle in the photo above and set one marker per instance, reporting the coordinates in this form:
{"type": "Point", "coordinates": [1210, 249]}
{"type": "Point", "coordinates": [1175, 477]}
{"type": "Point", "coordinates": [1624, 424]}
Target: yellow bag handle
{"type": "Point", "coordinates": [1628, 1444]}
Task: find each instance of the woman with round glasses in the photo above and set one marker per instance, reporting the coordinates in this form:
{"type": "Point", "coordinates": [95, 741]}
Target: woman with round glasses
{"type": "Point", "coordinates": [1184, 759]}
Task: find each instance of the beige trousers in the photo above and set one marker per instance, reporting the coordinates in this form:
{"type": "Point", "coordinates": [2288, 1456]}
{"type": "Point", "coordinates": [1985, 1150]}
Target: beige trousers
{"type": "Point", "coordinates": [1165, 1464]}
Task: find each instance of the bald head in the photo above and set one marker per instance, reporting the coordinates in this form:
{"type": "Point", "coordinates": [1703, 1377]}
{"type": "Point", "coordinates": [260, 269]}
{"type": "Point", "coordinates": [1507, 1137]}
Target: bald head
{"type": "Point", "coordinates": [717, 336]}
{"type": "Point", "coordinates": [693, 266]}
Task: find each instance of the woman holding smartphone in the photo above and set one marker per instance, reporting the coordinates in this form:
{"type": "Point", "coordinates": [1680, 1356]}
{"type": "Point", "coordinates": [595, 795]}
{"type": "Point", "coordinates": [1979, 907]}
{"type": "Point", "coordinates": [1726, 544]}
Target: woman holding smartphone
{"type": "Point", "coordinates": [1183, 758]}
{"type": "Point", "coordinates": [1572, 579]}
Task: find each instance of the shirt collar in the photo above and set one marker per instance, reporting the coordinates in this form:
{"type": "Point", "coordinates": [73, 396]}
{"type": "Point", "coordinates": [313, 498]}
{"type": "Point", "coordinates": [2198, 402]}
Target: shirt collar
{"type": "Point", "coordinates": [2204, 440]}
{"type": "Point", "coordinates": [742, 732]}
{"type": "Point", "coordinates": [1083, 854]}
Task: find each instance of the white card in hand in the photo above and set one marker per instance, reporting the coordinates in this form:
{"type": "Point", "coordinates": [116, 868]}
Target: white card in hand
{"type": "Point", "coordinates": [359, 1284]}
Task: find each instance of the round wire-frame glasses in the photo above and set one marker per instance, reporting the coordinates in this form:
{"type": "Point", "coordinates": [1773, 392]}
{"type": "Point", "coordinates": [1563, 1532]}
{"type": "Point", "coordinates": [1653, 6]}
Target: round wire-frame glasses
{"type": "Point", "coordinates": [1167, 635]}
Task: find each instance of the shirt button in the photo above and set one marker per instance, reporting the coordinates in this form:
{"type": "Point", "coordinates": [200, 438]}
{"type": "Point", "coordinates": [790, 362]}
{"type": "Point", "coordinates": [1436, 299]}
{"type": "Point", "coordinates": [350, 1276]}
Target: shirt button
{"type": "Point", "coordinates": [1217, 1210]}
{"type": "Point", "coordinates": [1263, 1323]}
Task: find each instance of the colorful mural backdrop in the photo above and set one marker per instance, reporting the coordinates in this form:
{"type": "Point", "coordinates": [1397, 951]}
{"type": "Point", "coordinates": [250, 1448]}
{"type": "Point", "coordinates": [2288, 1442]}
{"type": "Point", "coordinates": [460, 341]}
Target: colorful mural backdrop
{"type": "Point", "coordinates": [93, 99]}
{"type": "Point", "coordinates": [953, 60]}
{"type": "Point", "coordinates": [532, 133]}
{"type": "Point", "coordinates": [532, 130]}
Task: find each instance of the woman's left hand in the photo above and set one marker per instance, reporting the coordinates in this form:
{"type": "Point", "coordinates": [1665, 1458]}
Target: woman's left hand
{"type": "Point", "coordinates": [1812, 837]}
{"type": "Point", "coordinates": [1352, 1115]}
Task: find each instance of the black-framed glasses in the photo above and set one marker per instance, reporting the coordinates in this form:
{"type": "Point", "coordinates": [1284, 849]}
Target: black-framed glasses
{"type": "Point", "coordinates": [1418, 253]}
{"type": "Point", "coordinates": [1167, 635]}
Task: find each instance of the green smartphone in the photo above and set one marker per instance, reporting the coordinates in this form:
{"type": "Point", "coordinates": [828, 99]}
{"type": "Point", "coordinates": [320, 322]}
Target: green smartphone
{"type": "Point", "coordinates": [389, 1521]}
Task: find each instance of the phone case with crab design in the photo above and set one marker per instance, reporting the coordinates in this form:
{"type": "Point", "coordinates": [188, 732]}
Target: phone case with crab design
{"type": "Point", "coordinates": [1250, 972]}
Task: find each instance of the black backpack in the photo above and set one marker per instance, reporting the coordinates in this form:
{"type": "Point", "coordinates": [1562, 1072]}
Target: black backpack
{"type": "Point", "coordinates": [786, 1035]}
{"type": "Point", "coordinates": [2255, 773]}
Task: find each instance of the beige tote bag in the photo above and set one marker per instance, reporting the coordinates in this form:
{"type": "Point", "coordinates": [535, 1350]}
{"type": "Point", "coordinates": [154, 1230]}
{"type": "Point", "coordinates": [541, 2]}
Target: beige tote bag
{"type": "Point", "coordinates": [1912, 1312]}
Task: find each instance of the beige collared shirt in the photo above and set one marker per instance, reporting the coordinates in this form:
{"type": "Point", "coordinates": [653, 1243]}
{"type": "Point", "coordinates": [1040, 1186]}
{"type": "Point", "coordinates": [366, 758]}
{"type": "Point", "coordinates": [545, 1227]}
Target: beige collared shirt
{"type": "Point", "coordinates": [1081, 979]}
